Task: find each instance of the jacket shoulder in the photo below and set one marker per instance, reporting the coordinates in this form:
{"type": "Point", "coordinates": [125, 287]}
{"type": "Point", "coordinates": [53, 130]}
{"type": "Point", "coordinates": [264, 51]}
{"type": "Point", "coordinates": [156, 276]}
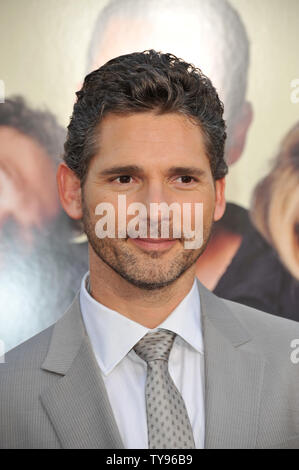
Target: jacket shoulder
{"type": "Point", "coordinates": [273, 336]}
{"type": "Point", "coordinates": [23, 422]}
{"type": "Point", "coordinates": [30, 353]}
{"type": "Point", "coordinates": [258, 320]}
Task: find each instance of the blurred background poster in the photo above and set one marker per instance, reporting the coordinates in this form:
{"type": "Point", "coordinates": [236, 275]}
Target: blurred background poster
{"type": "Point", "coordinates": [248, 49]}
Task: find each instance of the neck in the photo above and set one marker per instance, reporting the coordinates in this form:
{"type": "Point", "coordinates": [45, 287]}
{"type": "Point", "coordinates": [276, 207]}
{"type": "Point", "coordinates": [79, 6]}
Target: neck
{"type": "Point", "coordinates": [147, 307]}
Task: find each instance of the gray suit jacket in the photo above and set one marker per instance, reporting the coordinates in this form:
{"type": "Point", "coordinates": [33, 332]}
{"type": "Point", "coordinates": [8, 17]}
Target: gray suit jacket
{"type": "Point", "coordinates": [53, 395]}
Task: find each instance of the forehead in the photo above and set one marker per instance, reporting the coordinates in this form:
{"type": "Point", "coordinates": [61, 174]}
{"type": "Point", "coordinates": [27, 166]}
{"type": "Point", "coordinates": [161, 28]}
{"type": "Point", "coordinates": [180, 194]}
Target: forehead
{"type": "Point", "coordinates": [12, 140]}
{"type": "Point", "coordinates": [151, 125]}
{"type": "Point", "coordinates": [149, 138]}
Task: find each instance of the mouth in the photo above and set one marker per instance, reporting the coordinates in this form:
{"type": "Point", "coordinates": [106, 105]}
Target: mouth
{"type": "Point", "coordinates": [154, 244]}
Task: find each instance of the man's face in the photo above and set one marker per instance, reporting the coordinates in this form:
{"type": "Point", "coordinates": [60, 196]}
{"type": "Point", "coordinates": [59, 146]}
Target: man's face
{"type": "Point", "coordinates": [149, 159]}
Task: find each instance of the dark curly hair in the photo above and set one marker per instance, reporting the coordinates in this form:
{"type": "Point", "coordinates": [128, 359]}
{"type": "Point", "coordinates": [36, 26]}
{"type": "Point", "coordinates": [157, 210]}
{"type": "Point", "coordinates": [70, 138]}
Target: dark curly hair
{"type": "Point", "coordinates": [140, 82]}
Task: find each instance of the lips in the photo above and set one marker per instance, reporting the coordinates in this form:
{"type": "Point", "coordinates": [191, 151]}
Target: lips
{"type": "Point", "coordinates": [154, 244]}
{"type": "Point", "coordinates": [155, 240]}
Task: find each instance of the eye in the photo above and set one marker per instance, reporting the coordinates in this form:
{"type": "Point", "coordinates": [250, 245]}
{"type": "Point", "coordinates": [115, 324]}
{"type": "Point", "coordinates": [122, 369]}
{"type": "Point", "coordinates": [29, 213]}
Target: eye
{"type": "Point", "coordinates": [186, 179]}
{"type": "Point", "coordinates": [123, 179]}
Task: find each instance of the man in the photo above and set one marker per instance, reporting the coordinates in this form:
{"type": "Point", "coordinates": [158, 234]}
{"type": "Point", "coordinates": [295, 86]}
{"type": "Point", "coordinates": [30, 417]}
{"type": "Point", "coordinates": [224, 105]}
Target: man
{"type": "Point", "coordinates": [238, 264]}
{"type": "Point", "coordinates": [36, 249]}
{"type": "Point", "coordinates": [146, 356]}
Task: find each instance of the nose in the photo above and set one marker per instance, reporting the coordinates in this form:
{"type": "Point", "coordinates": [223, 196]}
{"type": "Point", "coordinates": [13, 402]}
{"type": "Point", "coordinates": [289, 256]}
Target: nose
{"type": "Point", "coordinates": [156, 196]}
{"type": "Point", "coordinates": [156, 192]}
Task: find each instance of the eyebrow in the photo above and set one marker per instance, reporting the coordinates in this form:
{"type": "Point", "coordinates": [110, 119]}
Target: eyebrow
{"type": "Point", "coordinates": [122, 170]}
{"type": "Point", "coordinates": [134, 170]}
{"type": "Point", "coordinates": [186, 170]}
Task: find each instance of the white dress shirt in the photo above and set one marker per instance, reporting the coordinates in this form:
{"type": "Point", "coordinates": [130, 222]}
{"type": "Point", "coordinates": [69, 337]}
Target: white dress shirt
{"type": "Point", "coordinates": [113, 336]}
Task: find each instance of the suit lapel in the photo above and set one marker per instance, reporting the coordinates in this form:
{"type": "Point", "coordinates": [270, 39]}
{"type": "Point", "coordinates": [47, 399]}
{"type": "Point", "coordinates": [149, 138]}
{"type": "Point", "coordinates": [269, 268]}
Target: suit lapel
{"type": "Point", "coordinates": [78, 404]}
{"type": "Point", "coordinates": [233, 377]}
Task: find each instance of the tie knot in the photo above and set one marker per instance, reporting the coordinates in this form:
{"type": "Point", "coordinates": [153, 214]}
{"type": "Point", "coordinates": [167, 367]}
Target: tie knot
{"type": "Point", "coordinates": [155, 345]}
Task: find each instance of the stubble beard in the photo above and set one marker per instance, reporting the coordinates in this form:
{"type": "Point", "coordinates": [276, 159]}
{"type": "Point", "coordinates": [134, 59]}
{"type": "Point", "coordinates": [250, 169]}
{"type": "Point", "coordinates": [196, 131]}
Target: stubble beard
{"type": "Point", "coordinates": [145, 270]}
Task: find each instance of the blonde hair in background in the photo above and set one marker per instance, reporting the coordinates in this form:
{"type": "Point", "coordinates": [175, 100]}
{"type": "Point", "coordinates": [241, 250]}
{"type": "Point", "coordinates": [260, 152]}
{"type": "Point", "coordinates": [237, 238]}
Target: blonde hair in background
{"type": "Point", "coordinates": [275, 203]}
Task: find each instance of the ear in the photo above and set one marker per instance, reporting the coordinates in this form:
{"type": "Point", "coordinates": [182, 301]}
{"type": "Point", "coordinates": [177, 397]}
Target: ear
{"type": "Point", "coordinates": [69, 189]}
{"type": "Point", "coordinates": [239, 136]}
{"type": "Point", "coordinates": [219, 199]}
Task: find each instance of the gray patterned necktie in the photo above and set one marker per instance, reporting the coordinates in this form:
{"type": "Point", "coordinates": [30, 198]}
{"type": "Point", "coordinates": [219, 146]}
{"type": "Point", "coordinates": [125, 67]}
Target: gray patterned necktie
{"type": "Point", "coordinates": [167, 418]}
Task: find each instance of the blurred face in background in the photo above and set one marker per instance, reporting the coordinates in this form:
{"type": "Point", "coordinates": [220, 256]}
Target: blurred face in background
{"type": "Point", "coordinates": [28, 193]}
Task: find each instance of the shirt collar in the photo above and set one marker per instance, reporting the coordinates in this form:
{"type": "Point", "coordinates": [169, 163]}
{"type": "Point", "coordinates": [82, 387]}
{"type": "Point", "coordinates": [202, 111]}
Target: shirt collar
{"type": "Point", "coordinates": [113, 335]}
